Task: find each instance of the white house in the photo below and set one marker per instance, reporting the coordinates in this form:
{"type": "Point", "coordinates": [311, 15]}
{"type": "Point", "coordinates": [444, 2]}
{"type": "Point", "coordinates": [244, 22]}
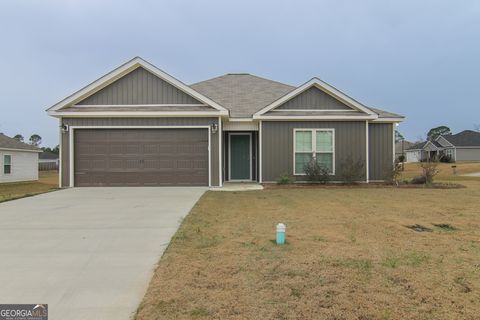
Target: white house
{"type": "Point", "coordinates": [18, 160]}
{"type": "Point", "coordinates": [463, 146]}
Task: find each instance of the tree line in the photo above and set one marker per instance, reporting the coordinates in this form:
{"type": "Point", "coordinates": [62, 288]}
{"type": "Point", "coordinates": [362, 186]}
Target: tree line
{"type": "Point", "coordinates": [35, 140]}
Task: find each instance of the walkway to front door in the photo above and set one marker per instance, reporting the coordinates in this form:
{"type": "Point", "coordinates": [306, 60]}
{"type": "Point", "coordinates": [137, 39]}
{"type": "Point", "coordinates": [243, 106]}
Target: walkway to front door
{"type": "Point", "coordinates": [240, 156]}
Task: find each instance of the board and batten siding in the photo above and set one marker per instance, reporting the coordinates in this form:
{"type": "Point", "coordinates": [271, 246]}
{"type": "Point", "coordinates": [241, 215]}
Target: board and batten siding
{"type": "Point", "coordinates": [313, 99]}
{"type": "Point", "coordinates": [24, 166]}
{"type": "Point", "coordinates": [142, 122]}
{"type": "Point", "coordinates": [139, 87]}
{"type": "Point", "coordinates": [380, 136]}
{"type": "Point", "coordinates": [277, 145]}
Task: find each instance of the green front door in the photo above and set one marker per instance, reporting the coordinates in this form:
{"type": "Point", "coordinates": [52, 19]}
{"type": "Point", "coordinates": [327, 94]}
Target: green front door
{"type": "Point", "coordinates": [240, 157]}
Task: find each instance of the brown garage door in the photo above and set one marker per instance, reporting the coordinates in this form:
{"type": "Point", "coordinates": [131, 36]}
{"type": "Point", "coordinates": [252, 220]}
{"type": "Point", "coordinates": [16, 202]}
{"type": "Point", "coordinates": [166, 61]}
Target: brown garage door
{"type": "Point", "coordinates": [141, 157]}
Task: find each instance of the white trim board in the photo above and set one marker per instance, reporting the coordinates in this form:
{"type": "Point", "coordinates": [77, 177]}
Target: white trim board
{"type": "Point", "coordinates": [122, 71]}
{"type": "Point", "coordinates": [289, 118]}
{"type": "Point", "coordinates": [71, 148]}
{"type": "Point", "coordinates": [230, 134]}
{"type": "Point", "coordinates": [121, 114]}
{"type": "Point", "coordinates": [20, 150]}
{"type": "Point", "coordinates": [325, 87]}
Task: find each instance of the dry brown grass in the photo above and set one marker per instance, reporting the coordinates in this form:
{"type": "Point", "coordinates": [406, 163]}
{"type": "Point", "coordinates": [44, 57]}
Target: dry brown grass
{"type": "Point", "coordinates": [446, 171]}
{"type": "Point", "coordinates": [48, 181]}
{"type": "Point", "coordinates": [349, 256]}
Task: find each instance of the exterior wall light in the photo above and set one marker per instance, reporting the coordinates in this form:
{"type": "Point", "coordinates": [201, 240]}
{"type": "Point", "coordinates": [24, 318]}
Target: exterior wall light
{"type": "Point", "coordinates": [64, 128]}
{"type": "Point", "coordinates": [214, 128]}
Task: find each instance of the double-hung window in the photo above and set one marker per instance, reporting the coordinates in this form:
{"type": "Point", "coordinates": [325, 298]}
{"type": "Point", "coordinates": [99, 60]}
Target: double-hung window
{"type": "Point", "coordinates": [318, 144]}
{"type": "Point", "coordinates": [7, 164]}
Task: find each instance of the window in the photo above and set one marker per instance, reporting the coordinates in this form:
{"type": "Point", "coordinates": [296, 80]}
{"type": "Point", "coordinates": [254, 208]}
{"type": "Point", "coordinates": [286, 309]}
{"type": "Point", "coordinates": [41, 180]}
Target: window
{"type": "Point", "coordinates": [7, 164]}
{"type": "Point", "coordinates": [314, 143]}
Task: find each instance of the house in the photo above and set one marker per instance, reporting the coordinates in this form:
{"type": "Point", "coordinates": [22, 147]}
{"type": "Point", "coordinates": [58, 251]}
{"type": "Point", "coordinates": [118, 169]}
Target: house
{"type": "Point", "coordinates": [463, 146]}
{"type": "Point", "coordinates": [402, 146]}
{"type": "Point", "coordinates": [48, 161]}
{"type": "Point", "coordinates": [139, 126]}
{"type": "Point", "coordinates": [18, 160]}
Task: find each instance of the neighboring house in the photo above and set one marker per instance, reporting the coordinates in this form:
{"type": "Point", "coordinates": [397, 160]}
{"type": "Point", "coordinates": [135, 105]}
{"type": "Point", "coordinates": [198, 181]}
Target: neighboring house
{"type": "Point", "coordinates": [402, 146]}
{"type": "Point", "coordinates": [18, 160]}
{"type": "Point", "coordinates": [139, 126]}
{"type": "Point", "coordinates": [463, 146]}
{"type": "Point", "coordinates": [48, 161]}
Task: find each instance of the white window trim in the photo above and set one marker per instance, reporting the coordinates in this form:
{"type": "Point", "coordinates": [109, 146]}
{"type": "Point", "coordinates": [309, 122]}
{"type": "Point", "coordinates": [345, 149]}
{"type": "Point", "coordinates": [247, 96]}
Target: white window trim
{"type": "Point", "coordinates": [230, 134]}
{"type": "Point", "coordinates": [71, 133]}
{"type": "Point", "coordinates": [10, 164]}
{"type": "Point", "coordinates": [314, 146]}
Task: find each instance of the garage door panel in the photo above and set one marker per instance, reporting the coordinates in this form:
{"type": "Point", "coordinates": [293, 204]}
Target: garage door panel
{"type": "Point", "coordinates": [141, 157]}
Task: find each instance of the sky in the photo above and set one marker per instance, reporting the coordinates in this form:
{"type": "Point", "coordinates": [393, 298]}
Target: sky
{"type": "Point", "coordinates": [416, 58]}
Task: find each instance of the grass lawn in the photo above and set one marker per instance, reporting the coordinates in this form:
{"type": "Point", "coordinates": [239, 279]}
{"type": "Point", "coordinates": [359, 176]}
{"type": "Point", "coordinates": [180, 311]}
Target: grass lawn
{"type": "Point", "coordinates": [48, 181]}
{"type": "Point", "coordinates": [349, 255]}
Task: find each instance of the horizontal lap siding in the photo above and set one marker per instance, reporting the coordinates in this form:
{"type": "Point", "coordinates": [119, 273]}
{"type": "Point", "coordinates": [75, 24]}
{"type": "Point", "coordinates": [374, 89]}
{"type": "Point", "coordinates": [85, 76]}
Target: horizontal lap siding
{"type": "Point", "coordinates": [380, 149]}
{"type": "Point", "coordinates": [214, 152]}
{"type": "Point", "coordinates": [277, 145]}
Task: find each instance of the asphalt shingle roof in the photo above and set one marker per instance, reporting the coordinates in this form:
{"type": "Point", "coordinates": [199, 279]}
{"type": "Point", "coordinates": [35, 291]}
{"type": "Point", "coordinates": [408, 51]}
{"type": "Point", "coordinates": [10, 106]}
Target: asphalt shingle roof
{"type": "Point", "coordinates": [467, 138]}
{"type": "Point", "coordinates": [244, 94]}
{"type": "Point", "coordinates": [10, 143]}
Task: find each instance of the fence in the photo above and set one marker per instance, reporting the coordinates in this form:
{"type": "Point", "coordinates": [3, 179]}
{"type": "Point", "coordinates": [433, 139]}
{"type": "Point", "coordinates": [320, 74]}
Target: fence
{"type": "Point", "coordinates": [46, 166]}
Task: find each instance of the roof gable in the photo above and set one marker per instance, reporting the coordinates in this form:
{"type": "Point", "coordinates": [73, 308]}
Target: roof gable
{"type": "Point", "coordinates": [123, 70]}
{"type": "Point", "coordinates": [327, 89]}
{"type": "Point", "coordinates": [313, 99]}
{"type": "Point", "coordinates": [139, 87]}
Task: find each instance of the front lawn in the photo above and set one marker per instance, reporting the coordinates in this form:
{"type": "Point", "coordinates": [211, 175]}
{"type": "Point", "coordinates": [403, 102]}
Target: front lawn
{"type": "Point", "coordinates": [349, 256]}
{"type": "Point", "coordinates": [48, 181]}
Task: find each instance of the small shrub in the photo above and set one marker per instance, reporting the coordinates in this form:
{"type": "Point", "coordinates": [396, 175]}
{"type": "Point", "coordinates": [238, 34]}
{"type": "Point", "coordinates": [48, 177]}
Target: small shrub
{"type": "Point", "coordinates": [418, 180]}
{"type": "Point", "coordinates": [352, 171]}
{"type": "Point", "coordinates": [430, 170]}
{"type": "Point", "coordinates": [316, 172]}
{"type": "Point", "coordinates": [401, 158]}
{"type": "Point", "coordinates": [392, 173]}
{"type": "Point", "coordinates": [285, 179]}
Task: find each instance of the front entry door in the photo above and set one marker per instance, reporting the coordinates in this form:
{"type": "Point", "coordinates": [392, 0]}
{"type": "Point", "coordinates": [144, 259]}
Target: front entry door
{"type": "Point", "coordinates": [240, 156]}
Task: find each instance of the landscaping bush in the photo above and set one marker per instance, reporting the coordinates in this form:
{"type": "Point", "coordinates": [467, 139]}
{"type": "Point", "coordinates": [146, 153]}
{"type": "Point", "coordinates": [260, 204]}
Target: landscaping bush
{"type": "Point", "coordinates": [392, 173]}
{"type": "Point", "coordinates": [419, 180]}
{"type": "Point", "coordinates": [430, 170]}
{"type": "Point", "coordinates": [352, 171]}
{"type": "Point", "coordinates": [401, 158]}
{"type": "Point", "coordinates": [316, 172]}
{"type": "Point", "coordinates": [284, 179]}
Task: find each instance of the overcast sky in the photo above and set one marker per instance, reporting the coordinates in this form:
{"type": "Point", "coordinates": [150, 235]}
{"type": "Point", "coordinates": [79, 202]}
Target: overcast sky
{"type": "Point", "coordinates": [416, 58]}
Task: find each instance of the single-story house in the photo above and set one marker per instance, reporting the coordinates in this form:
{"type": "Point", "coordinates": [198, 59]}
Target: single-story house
{"type": "Point", "coordinates": [463, 146]}
{"type": "Point", "coordinates": [18, 160]}
{"type": "Point", "coordinates": [401, 147]}
{"type": "Point", "coordinates": [139, 126]}
{"type": "Point", "coordinates": [48, 161]}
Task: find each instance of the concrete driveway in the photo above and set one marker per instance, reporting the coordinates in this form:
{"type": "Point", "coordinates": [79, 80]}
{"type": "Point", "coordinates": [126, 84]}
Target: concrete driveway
{"type": "Point", "coordinates": [87, 252]}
